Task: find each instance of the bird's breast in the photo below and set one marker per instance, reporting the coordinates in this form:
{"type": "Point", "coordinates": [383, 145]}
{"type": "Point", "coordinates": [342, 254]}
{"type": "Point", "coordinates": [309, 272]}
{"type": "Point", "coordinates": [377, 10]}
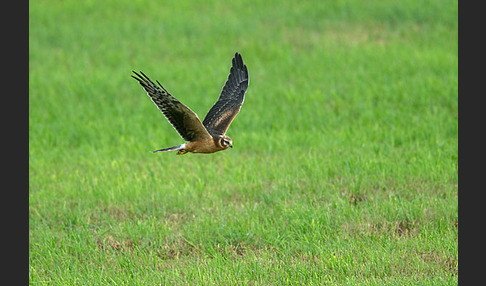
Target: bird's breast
{"type": "Point", "coordinates": [203, 146]}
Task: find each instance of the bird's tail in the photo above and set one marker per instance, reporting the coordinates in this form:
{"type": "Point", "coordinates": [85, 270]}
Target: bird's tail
{"type": "Point", "coordinates": [179, 148]}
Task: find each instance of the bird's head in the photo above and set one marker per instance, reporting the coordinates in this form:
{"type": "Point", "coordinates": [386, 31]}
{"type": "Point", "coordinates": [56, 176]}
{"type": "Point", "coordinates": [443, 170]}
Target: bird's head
{"type": "Point", "coordinates": [225, 142]}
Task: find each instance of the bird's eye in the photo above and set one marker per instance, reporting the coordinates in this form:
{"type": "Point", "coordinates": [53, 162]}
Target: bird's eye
{"type": "Point", "coordinates": [225, 142]}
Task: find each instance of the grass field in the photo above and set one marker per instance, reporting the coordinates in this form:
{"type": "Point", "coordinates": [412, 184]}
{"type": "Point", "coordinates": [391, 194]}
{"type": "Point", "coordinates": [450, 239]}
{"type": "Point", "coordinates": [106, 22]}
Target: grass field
{"type": "Point", "coordinates": [344, 166]}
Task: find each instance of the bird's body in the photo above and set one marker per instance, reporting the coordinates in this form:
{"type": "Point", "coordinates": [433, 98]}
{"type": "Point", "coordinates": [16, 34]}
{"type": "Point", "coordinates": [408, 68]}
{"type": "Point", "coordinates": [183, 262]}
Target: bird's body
{"type": "Point", "coordinates": [207, 136]}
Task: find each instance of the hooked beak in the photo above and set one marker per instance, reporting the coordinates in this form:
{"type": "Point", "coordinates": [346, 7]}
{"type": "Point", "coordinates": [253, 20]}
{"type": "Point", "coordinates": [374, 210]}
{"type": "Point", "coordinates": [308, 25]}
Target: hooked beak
{"type": "Point", "coordinates": [231, 146]}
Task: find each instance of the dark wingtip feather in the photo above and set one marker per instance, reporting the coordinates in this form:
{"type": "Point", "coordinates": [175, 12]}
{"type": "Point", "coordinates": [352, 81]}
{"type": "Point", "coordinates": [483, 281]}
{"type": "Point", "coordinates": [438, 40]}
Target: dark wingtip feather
{"type": "Point", "coordinates": [137, 75]}
{"type": "Point", "coordinates": [140, 78]}
{"type": "Point", "coordinates": [161, 86]}
{"type": "Point", "coordinates": [237, 64]}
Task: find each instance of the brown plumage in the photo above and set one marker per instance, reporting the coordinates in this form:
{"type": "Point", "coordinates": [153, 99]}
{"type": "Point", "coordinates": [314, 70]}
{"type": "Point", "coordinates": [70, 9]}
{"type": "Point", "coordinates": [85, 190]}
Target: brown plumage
{"type": "Point", "coordinates": [207, 136]}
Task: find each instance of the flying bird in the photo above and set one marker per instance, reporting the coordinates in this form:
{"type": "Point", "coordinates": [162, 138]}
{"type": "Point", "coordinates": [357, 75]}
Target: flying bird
{"type": "Point", "coordinates": [207, 136]}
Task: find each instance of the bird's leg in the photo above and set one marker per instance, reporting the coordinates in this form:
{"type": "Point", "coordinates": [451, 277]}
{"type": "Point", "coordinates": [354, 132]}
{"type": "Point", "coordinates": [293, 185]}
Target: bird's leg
{"type": "Point", "coordinates": [182, 152]}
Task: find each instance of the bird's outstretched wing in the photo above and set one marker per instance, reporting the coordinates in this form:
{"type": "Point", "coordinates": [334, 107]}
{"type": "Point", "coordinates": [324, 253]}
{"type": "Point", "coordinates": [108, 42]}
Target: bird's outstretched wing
{"type": "Point", "coordinates": [182, 118]}
{"type": "Point", "coordinates": [230, 100]}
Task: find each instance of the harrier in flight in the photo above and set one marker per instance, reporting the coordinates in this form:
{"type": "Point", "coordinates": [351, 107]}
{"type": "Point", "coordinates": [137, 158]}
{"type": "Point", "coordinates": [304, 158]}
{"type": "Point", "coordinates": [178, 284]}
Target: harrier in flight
{"type": "Point", "coordinates": [207, 136]}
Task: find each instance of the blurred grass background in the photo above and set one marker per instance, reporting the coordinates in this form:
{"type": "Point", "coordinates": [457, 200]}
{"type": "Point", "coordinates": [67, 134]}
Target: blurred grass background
{"type": "Point", "coordinates": [344, 169]}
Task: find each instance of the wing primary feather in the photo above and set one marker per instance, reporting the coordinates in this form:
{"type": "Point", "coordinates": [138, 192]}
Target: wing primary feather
{"type": "Point", "coordinates": [161, 85]}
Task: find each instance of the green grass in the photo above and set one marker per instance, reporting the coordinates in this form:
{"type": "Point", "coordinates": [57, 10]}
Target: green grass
{"type": "Point", "coordinates": [344, 166]}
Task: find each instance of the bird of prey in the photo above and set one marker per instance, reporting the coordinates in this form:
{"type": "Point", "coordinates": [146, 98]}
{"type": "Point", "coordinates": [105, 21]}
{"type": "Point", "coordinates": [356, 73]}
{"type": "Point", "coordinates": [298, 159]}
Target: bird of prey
{"type": "Point", "coordinates": [207, 136]}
